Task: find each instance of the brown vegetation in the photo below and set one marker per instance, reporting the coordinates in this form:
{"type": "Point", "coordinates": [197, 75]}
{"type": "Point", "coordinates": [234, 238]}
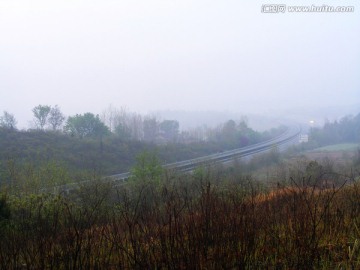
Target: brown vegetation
{"type": "Point", "coordinates": [188, 222]}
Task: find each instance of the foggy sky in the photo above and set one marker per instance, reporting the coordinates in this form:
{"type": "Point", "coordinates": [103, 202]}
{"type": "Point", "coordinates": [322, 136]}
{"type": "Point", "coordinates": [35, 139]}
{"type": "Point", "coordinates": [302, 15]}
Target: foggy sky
{"type": "Point", "coordinates": [175, 54]}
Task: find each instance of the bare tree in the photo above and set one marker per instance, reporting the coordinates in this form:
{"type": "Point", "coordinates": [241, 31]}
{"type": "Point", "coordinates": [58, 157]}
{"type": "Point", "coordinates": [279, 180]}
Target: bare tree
{"type": "Point", "coordinates": [56, 118]}
{"type": "Point", "coordinates": [108, 117]}
{"type": "Point", "coordinates": [41, 113]}
{"type": "Point", "coordinates": [129, 123]}
{"type": "Point", "coordinates": [8, 121]}
{"type": "Point", "coordinates": [137, 126]}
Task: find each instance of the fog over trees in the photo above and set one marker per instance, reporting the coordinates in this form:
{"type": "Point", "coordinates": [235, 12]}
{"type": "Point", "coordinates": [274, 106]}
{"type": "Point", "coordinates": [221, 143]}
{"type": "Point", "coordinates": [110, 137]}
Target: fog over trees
{"type": "Point", "coordinates": [232, 138]}
{"type": "Point", "coordinates": [192, 56]}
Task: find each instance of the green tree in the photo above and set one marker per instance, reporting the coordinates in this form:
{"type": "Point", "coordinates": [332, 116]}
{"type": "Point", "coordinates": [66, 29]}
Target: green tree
{"type": "Point", "coordinates": [147, 168]}
{"type": "Point", "coordinates": [41, 114]}
{"type": "Point", "coordinates": [8, 121]}
{"type": "Point", "coordinates": [87, 125]}
{"type": "Point", "coordinates": [56, 118]}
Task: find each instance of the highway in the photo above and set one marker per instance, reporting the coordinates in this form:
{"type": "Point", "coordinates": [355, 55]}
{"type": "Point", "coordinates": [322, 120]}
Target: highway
{"type": "Point", "coordinates": [290, 136]}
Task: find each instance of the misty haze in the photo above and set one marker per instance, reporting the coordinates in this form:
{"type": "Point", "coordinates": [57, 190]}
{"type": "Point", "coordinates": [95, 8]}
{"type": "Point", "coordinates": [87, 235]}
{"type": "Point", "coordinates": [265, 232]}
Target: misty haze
{"type": "Point", "coordinates": [175, 134]}
{"type": "Point", "coordinates": [177, 55]}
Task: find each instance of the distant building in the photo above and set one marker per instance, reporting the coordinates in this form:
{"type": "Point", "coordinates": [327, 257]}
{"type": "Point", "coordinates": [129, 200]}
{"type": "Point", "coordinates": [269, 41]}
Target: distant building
{"type": "Point", "coordinates": [304, 138]}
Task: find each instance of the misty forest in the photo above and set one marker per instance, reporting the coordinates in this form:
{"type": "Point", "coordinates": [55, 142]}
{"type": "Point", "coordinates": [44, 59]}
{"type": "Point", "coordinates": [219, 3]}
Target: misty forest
{"type": "Point", "coordinates": [182, 134]}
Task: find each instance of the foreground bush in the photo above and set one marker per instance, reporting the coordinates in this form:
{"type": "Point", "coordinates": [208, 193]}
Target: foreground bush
{"type": "Point", "coordinates": [184, 222]}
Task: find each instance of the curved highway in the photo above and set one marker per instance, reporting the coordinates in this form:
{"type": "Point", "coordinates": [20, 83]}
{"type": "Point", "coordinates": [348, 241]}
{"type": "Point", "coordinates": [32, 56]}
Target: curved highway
{"type": "Point", "coordinates": [288, 137]}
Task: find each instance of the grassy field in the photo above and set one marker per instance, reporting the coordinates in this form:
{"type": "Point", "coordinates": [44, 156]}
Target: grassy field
{"type": "Point", "coordinates": [338, 147]}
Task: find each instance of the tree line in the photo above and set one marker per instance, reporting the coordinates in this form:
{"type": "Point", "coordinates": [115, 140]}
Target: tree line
{"type": "Point", "coordinates": [128, 126]}
{"type": "Point", "coordinates": [132, 126]}
{"type": "Point", "coordinates": [347, 129]}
